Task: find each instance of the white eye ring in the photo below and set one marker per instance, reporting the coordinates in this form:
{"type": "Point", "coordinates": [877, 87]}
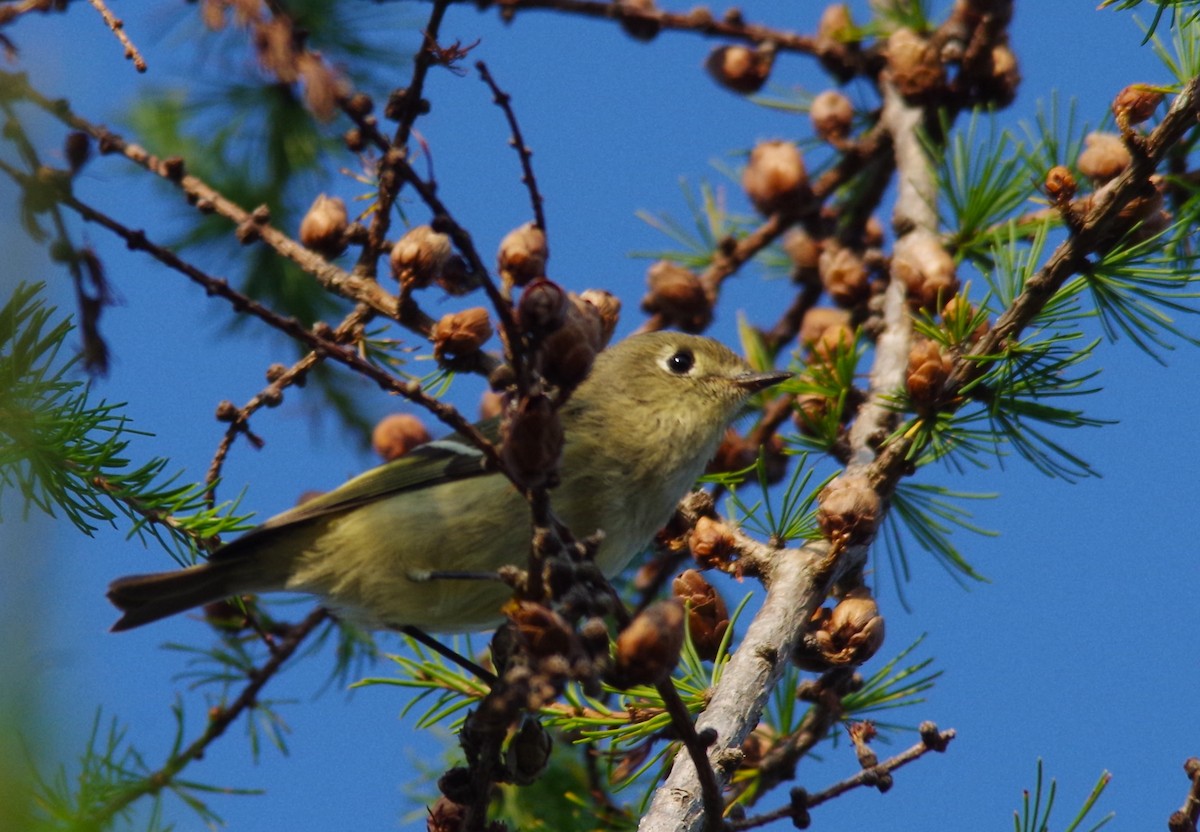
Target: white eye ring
{"type": "Point", "coordinates": [680, 362]}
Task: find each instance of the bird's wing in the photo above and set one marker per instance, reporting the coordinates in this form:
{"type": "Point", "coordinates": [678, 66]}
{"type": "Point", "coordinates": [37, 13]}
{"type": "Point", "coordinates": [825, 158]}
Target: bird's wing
{"type": "Point", "coordinates": [434, 463]}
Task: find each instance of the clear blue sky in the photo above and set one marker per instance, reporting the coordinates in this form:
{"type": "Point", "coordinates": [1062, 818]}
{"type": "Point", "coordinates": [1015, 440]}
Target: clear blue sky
{"type": "Point", "coordinates": [1080, 650]}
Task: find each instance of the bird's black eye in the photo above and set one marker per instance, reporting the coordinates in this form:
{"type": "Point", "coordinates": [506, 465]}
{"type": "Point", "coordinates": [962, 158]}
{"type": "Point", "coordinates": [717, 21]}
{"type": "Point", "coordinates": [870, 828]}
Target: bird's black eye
{"type": "Point", "coordinates": [681, 362]}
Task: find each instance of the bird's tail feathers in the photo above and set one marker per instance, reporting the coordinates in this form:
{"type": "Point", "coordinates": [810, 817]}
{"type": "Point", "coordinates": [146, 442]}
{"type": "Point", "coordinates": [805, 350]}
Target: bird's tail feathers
{"type": "Point", "coordinates": [147, 598]}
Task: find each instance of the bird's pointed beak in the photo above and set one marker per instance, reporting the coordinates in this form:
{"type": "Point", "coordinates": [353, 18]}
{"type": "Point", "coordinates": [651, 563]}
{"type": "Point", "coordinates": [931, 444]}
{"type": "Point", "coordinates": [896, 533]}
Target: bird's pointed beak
{"type": "Point", "coordinates": [753, 382]}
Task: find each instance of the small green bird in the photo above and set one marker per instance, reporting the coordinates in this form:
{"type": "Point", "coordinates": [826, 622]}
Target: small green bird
{"type": "Point", "coordinates": [638, 433]}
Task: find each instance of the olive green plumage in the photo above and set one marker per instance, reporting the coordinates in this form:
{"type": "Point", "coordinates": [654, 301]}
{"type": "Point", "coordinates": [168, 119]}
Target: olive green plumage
{"type": "Point", "coordinates": [639, 431]}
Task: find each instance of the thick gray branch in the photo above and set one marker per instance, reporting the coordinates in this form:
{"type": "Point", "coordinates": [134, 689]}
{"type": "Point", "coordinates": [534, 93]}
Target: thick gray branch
{"type": "Point", "coordinates": [746, 682]}
{"type": "Point", "coordinates": [798, 579]}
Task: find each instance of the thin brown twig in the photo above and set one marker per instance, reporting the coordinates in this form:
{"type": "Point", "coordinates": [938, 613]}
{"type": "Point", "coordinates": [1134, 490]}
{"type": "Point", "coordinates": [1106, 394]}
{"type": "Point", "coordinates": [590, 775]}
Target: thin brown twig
{"type": "Point", "coordinates": [697, 749]}
{"type": "Point", "coordinates": [82, 264]}
{"type": "Point", "coordinates": [11, 11]}
{"type": "Point", "coordinates": [117, 25]}
{"type": "Point", "coordinates": [700, 21]}
{"type": "Point", "coordinates": [873, 145]}
{"type": "Point", "coordinates": [208, 199]}
{"type": "Point", "coordinates": [396, 164]}
{"type": "Point", "coordinates": [220, 719]}
{"type": "Point", "coordinates": [864, 777]}
{"type": "Point", "coordinates": [559, 709]}
{"type": "Point", "coordinates": [753, 557]}
{"type": "Point", "coordinates": [504, 101]}
{"type": "Point", "coordinates": [121, 493]}
{"type": "Point", "coordinates": [685, 729]}
{"type": "Point", "coordinates": [665, 565]}
{"type": "Point", "coordinates": [395, 150]}
{"type": "Point", "coordinates": [736, 253]}
{"type": "Point", "coordinates": [256, 224]}
{"type": "Point", "coordinates": [422, 63]}
{"type": "Point", "coordinates": [778, 764]}
{"type": "Point", "coordinates": [485, 728]}
{"type": "Point", "coordinates": [681, 720]}
{"type": "Point", "coordinates": [239, 423]}
{"type": "Point", "coordinates": [91, 303]}
{"type": "Point", "coordinates": [509, 332]}
{"type": "Point", "coordinates": [932, 740]}
{"type": "Point", "coordinates": [411, 390]}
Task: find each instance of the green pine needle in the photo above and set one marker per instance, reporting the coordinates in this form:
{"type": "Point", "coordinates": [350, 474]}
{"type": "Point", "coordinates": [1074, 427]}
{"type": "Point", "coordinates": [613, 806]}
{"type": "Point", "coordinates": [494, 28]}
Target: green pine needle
{"type": "Point", "coordinates": [1033, 817]}
{"type": "Point", "coordinates": [62, 452]}
{"type": "Point", "coordinates": [927, 514]}
{"type": "Point", "coordinates": [786, 517]}
{"type": "Point", "coordinates": [984, 185]}
{"type": "Point", "coordinates": [1177, 19]}
{"type": "Point", "coordinates": [1137, 287]}
{"type": "Point", "coordinates": [1182, 56]}
{"type": "Point", "coordinates": [892, 686]}
{"type": "Point", "coordinates": [1054, 138]}
{"type": "Point", "coordinates": [710, 222]}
